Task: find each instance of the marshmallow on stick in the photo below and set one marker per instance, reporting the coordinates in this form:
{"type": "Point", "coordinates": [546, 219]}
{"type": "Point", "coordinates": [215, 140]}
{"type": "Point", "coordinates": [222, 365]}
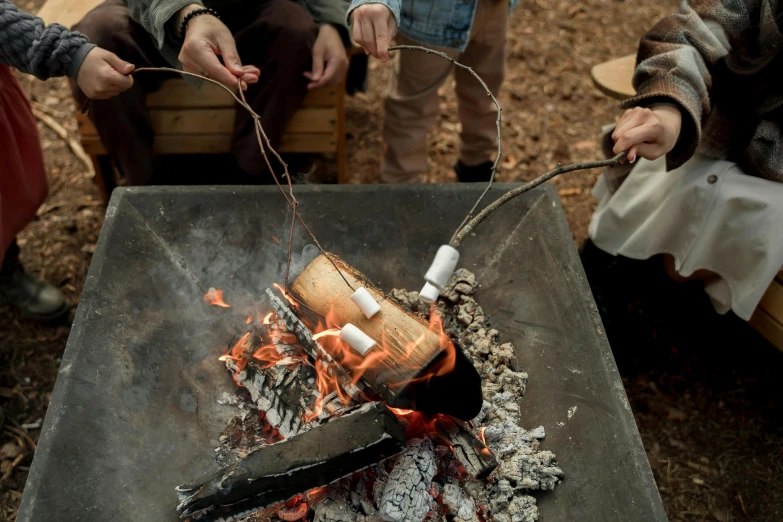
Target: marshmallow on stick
{"type": "Point", "coordinates": [356, 339]}
{"type": "Point", "coordinates": [365, 302]}
{"type": "Point", "coordinates": [440, 272]}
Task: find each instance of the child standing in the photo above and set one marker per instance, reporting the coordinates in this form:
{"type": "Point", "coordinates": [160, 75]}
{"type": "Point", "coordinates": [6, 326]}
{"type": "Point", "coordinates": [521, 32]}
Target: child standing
{"type": "Point", "coordinates": [473, 32]}
{"type": "Point", "coordinates": [28, 45]}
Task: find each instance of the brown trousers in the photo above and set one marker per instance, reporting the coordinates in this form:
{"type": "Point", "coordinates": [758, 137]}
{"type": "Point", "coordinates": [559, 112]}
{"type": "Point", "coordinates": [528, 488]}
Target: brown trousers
{"type": "Point", "coordinates": [412, 103]}
{"type": "Point", "coordinates": [277, 36]}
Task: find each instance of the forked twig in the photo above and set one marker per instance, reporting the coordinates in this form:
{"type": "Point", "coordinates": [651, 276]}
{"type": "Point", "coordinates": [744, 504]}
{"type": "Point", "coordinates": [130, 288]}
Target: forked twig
{"type": "Point", "coordinates": [511, 194]}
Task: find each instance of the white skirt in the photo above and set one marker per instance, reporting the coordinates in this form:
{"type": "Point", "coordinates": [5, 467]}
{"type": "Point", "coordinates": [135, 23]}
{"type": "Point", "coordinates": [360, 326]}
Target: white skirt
{"type": "Point", "coordinates": [708, 215]}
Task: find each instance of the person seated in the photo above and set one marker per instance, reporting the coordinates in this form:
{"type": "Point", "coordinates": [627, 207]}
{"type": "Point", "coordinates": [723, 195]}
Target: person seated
{"type": "Point", "coordinates": [45, 52]}
{"type": "Point", "coordinates": [702, 180]}
{"type": "Point", "coordinates": [277, 48]}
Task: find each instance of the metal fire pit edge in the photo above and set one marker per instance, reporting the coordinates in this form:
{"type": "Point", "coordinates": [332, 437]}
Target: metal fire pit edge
{"type": "Point", "coordinates": [135, 408]}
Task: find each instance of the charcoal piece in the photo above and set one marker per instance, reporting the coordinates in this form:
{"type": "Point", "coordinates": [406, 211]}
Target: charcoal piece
{"type": "Point", "coordinates": [406, 497]}
{"type": "Point", "coordinates": [311, 459]}
{"type": "Point", "coordinates": [478, 459]}
{"type": "Point", "coordinates": [334, 509]}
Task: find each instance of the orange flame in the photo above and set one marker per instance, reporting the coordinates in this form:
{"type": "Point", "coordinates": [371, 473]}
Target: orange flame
{"type": "Point", "coordinates": [288, 298]}
{"type": "Point", "coordinates": [481, 435]}
{"type": "Point", "coordinates": [237, 354]}
{"type": "Point", "coordinates": [334, 332]}
{"type": "Point", "coordinates": [248, 320]}
{"type": "Point", "coordinates": [268, 318]}
{"type": "Point", "coordinates": [215, 298]}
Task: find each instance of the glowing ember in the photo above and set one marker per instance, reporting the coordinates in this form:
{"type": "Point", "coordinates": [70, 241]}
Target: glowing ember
{"type": "Point", "coordinates": [268, 318]}
{"type": "Point", "coordinates": [248, 320]}
{"type": "Point", "coordinates": [215, 298]}
{"type": "Point", "coordinates": [276, 240]}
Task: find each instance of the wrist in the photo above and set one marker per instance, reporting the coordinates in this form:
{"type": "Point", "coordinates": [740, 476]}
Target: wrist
{"type": "Point", "coordinates": [176, 20]}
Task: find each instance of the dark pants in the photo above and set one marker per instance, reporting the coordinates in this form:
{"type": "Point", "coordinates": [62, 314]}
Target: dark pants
{"type": "Point", "coordinates": [277, 36]}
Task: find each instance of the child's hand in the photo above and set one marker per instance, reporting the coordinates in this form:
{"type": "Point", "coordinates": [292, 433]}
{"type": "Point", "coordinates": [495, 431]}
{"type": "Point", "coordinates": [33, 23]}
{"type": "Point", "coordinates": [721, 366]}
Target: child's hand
{"type": "Point", "coordinates": [103, 75]}
{"type": "Point", "coordinates": [649, 133]}
{"type": "Point", "coordinates": [373, 28]}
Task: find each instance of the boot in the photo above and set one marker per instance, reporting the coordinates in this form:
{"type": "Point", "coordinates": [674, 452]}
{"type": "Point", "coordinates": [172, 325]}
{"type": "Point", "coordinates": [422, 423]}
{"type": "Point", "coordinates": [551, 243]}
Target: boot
{"type": "Point", "coordinates": [34, 298]}
{"type": "Point", "coordinates": [477, 174]}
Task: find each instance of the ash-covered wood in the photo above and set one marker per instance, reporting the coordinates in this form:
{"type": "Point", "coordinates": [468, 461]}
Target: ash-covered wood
{"type": "Point", "coordinates": [334, 509]}
{"type": "Point", "coordinates": [406, 497]}
{"type": "Point", "coordinates": [311, 459]}
{"type": "Point", "coordinates": [411, 345]}
{"type": "Point", "coordinates": [478, 459]}
{"type": "Point", "coordinates": [313, 348]}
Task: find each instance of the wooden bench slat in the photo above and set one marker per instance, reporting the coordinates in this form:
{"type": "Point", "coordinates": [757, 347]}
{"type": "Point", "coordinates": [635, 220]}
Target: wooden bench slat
{"type": "Point", "coordinates": [221, 144]}
{"type": "Point", "coordinates": [767, 326]}
{"type": "Point", "coordinates": [312, 120]}
{"type": "Point", "coordinates": [179, 94]}
{"type": "Point", "coordinates": [615, 77]}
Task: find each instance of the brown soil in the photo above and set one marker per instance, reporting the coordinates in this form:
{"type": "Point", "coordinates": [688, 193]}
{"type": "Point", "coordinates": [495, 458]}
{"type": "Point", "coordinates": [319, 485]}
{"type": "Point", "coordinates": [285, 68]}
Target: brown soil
{"type": "Point", "coordinates": [703, 388]}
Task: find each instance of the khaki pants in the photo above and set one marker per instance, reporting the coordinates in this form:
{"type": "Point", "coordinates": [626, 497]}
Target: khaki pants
{"type": "Point", "coordinates": [412, 104]}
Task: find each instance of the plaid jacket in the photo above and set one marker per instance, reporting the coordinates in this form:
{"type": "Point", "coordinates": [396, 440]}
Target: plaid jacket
{"type": "Point", "coordinates": [705, 59]}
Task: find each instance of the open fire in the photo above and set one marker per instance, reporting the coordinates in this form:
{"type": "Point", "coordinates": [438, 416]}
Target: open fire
{"type": "Point", "coordinates": [300, 379]}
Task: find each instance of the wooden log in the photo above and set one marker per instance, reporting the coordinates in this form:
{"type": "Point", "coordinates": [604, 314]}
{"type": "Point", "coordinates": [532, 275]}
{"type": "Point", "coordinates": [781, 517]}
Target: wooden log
{"type": "Point", "coordinates": [314, 458]}
{"type": "Point", "coordinates": [412, 346]}
{"type": "Point", "coordinates": [478, 459]}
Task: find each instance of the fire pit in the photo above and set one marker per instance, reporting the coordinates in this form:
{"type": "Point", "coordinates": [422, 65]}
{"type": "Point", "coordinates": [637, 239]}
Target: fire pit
{"type": "Point", "coordinates": [136, 411]}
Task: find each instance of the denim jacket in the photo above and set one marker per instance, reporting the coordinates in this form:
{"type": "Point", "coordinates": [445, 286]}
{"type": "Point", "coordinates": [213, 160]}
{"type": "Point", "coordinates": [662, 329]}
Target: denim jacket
{"type": "Point", "coordinates": [440, 23]}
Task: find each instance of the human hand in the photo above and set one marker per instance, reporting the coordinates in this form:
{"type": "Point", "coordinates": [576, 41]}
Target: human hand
{"type": "Point", "coordinates": [103, 74]}
{"type": "Point", "coordinates": [373, 28]}
{"type": "Point", "coordinates": [649, 133]}
{"type": "Point", "coordinates": [330, 63]}
{"type": "Point", "coordinates": [206, 38]}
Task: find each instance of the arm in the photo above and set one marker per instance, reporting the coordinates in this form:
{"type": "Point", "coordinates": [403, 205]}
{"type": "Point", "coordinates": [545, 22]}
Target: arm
{"type": "Point", "coordinates": [34, 48]}
{"type": "Point", "coordinates": [47, 51]}
{"type": "Point", "coordinates": [675, 62]}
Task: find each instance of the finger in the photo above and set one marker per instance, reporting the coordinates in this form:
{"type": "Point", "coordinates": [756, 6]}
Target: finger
{"type": "Point", "coordinates": [318, 62]}
{"type": "Point", "coordinates": [251, 69]}
{"type": "Point", "coordinates": [227, 48]}
{"type": "Point", "coordinates": [636, 118]}
{"type": "Point", "coordinates": [358, 35]}
{"type": "Point", "coordinates": [649, 151]}
{"type": "Point", "coordinates": [330, 76]}
{"type": "Point", "coordinates": [209, 63]}
{"type": "Point", "coordinates": [369, 35]}
{"type": "Point", "coordinates": [249, 78]}
{"type": "Point", "coordinates": [647, 133]}
{"type": "Point", "coordinates": [382, 39]}
{"type": "Point", "coordinates": [118, 64]}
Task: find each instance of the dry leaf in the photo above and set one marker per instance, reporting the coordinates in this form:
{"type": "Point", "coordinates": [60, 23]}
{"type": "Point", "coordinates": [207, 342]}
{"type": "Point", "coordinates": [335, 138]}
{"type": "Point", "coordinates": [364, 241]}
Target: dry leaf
{"type": "Point", "coordinates": [675, 414]}
{"type": "Point", "coordinates": [697, 481]}
{"type": "Point", "coordinates": [511, 162]}
{"type": "Point", "coordinates": [10, 451]}
{"type": "Point", "coordinates": [720, 516]}
{"type": "Point", "coordinates": [89, 248]}
{"type": "Point", "coordinates": [569, 192]}
{"type": "Point", "coordinates": [586, 145]}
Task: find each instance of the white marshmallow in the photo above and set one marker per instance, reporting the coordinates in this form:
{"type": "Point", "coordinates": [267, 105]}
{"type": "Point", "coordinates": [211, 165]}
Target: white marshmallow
{"type": "Point", "coordinates": [357, 339]}
{"type": "Point", "coordinates": [442, 267]}
{"type": "Point", "coordinates": [365, 302]}
{"type": "Point", "coordinates": [429, 294]}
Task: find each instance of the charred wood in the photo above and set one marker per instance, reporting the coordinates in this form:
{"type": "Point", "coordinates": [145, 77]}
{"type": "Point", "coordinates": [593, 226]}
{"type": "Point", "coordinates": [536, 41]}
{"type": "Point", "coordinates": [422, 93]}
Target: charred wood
{"type": "Point", "coordinates": [478, 459]}
{"type": "Point", "coordinates": [313, 458]}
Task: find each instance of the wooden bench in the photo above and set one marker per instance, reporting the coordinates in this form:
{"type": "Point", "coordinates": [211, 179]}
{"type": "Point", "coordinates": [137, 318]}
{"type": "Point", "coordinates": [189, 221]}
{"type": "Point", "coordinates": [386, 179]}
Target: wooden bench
{"type": "Point", "coordinates": [613, 78]}
{"type": "Point", "coordinates": [187, 120]}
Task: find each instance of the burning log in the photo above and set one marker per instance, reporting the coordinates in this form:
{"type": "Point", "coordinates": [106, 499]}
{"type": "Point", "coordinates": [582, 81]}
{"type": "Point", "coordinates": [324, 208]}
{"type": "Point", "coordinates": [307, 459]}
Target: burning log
{"type": "Point", "coordinates": [472, 452]}
{"type": "Point", "coordinates": [313, 458]}
{"type": "Point", "coordinates": [414, 364]}
{"type": "Point", "coordinates": [406, 497]}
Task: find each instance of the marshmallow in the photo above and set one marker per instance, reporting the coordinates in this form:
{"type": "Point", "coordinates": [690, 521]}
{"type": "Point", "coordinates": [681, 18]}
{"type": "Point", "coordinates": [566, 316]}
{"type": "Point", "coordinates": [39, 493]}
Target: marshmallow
{"type": "Point", "coordinates": [442, 267]}
{"type": "Point", "coordinates": [429, 294]}
{"type": "Point", "coordinates": [356, 339]}
{"type": "Point", "coordinates": [365, 302]}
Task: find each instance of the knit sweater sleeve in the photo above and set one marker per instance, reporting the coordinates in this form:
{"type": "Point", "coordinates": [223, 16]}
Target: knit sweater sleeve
{"type": "Point", "coordinates": [677, 57]}
{"type": "Point", "coordinates": [27, 44]}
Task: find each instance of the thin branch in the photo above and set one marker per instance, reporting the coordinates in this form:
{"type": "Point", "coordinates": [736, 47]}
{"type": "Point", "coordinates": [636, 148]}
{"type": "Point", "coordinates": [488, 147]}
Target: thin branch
{"type": "Point", "coordinates": [259, 135]}
{"type": "Point", "coordinates": [498, 121]}
{"type": "Point", "coordinates": [74, 145]}
{"type": "Point", "coordinates": [511, 194]}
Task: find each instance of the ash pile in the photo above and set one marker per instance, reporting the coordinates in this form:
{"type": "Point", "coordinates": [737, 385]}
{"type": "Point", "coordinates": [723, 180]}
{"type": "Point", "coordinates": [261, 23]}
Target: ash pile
{"type": "Point", "coordinates": [294, 452]}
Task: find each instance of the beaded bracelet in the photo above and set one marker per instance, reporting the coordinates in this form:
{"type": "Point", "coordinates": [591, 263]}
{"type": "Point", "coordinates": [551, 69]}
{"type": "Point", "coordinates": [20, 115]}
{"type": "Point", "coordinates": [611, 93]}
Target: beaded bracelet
{"type": "Point", "coordinates": [193, 14]}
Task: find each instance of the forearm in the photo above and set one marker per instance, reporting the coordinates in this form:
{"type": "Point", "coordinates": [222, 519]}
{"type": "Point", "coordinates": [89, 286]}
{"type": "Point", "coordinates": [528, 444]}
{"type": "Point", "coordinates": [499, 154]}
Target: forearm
{"type": "Point", "coordinates": [43, 51]}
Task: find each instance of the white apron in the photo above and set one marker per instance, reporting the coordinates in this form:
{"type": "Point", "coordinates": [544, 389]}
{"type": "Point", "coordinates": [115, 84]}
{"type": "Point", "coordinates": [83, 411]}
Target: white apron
{"type": "Point", "coordinates": [708, 215]}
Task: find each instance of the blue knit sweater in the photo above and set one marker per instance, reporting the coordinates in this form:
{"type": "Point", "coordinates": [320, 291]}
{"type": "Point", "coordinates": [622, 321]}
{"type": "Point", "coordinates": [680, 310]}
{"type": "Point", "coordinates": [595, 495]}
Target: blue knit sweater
{"type": "Point", "coordinates": [43, 51]}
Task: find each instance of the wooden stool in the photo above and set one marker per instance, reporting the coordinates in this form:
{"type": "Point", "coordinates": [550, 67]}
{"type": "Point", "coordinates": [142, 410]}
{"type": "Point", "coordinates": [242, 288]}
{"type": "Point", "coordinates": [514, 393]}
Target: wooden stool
{"type": "Point", "coordinates": [187, 120]}
{"type": "Point", "coordinates": [614, 78]}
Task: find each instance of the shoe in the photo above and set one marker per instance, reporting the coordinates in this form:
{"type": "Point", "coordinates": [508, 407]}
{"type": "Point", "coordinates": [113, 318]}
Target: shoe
{"type": "Point", "coordinates": [34, 298]}
{"type": "Point", "coordinates": [475, 174]}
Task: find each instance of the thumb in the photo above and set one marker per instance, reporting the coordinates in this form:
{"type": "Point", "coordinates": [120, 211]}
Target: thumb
{"type": "Point", "coordinates": [228, 50]}
{"type": "Point", "coordinates": [118, 64]}
{"type": "Point", "coordinates": [318, 62]}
